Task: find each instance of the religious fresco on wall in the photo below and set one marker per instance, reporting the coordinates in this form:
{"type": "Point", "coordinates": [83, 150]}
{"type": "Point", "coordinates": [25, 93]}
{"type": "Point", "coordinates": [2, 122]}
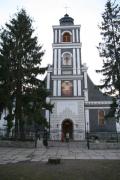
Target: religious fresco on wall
{"type": "Point", "coordinates": [67, 88]}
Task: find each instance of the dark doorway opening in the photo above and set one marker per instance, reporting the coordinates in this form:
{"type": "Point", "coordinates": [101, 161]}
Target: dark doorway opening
{"type": "Point", "coordinates": [67, 127]}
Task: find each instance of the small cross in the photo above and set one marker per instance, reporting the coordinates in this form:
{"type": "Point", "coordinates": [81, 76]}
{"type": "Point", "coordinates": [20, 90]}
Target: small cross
{"type": "Point", "coordinates": [66, 8]}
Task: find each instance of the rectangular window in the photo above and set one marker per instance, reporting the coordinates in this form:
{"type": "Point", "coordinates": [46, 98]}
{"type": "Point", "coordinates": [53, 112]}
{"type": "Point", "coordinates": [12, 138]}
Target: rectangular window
{"type": "Point", "coordinates": [101, 118]}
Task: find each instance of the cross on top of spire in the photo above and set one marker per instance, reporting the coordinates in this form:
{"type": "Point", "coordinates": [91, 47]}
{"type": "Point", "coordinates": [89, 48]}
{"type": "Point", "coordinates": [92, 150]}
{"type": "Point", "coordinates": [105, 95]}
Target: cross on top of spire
{"type": "Point", "coordinates": [66, 8]}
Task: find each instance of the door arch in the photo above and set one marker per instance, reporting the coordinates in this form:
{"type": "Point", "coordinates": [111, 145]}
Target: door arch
{"type": "Point", "coordinates": [67, 127]}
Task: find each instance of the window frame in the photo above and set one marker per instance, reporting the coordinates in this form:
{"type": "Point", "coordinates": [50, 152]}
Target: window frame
{"type": "Point", "coordinates": [101, 121]}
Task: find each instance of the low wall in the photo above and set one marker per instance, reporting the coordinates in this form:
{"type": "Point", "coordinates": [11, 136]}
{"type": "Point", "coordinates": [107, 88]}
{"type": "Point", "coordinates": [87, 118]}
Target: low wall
{"type": "Point", "coordinates": [17, 144]}
{"type": "Point", "coordinates": [104, 145]}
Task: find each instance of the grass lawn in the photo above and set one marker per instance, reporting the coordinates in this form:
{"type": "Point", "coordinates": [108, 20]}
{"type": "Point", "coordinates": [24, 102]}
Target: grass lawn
{"type": "Point", "coordinates": [66, 170]}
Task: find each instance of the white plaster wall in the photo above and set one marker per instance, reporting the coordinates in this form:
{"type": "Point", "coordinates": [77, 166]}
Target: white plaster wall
{"type": "Point", "coordinates": [68, 109]}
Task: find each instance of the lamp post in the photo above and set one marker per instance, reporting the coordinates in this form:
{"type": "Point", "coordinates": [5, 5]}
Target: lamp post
{"type": "Point", "coordinates": [49, 124]}
{"type": "Point", "coordinates": [88, 144]}
{"type": "Point", "coordinates": [48, 115]}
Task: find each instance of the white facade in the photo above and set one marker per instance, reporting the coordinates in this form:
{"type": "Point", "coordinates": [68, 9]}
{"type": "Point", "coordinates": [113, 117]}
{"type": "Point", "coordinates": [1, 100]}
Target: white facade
{"type": "Point", "coordinates": [66, 78]}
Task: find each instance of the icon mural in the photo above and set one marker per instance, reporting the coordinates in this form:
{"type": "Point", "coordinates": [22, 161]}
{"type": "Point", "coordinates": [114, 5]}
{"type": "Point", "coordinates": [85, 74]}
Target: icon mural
{"type": "Point", "coordinates": [67, 88]}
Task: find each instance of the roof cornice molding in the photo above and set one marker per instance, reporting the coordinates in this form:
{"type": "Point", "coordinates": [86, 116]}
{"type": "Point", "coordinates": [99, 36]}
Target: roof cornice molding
{"type": "Point", "coordinates": [66, 27]}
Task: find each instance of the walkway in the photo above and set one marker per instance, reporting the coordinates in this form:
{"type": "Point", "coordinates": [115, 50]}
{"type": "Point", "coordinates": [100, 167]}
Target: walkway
{"type": "Point", "coordinates": [63, 151]}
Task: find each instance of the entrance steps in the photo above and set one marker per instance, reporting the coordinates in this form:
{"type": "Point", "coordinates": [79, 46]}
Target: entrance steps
{"type": "Point", "coordinates": [71, 144]}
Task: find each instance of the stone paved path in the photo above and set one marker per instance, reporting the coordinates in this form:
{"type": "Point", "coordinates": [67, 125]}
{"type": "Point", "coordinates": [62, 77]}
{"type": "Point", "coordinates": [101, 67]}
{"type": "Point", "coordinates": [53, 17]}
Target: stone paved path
{"type": "Point", "coordinates": [65, 151]}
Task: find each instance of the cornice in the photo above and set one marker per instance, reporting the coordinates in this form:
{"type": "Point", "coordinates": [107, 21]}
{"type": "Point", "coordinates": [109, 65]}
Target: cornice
{"type": "Point", "coordinates": [66, 27]}
{"type": "Point", "coordinates": [66, 98]}
{"type": "Point", "coordinates": [72, 77]}
{"type": "Point", "coordinates": [98, 102]}
{"type": "Point", "coordinates": [67, 45]}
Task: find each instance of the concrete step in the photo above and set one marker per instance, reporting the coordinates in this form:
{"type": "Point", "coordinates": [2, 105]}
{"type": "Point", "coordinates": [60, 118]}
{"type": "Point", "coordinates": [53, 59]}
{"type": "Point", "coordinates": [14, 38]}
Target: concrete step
{"type": "Point", "coordinates": [75, 144]}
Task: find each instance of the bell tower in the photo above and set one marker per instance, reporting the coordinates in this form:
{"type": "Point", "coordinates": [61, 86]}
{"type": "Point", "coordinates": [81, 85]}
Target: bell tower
{"type": "Point", "coordinates": [66, 80]}
{"type": "Point", "coordinates": [67, 58]}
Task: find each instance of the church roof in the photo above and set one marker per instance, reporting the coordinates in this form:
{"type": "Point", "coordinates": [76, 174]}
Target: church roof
{"type": "Point", "coordinates": [66, 20]}
{"type": "Point", "coordinates": [94, 94]}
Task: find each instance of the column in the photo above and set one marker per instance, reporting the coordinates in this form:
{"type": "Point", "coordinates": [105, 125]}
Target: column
{"type": "Point", "coordinates": [55, 61]}
{"type": "Point", "coordinates": [85, 79]}
{"type": "Point", "coordinates": [73, 35]}
{"type": "Point", "coordinates": [74, 62]}
{"type": "Point", "coordinates": [59, 61]}
{"type": "Point", "coordinates": [75, 87]}
{"type": "Point", "coordinates": [59, 36]}
{"type": "Point", "coordinates": [85, 83]}
{"type": "Point", "coordinates": [55, 36]}
{"type": "Point", "coordinates": [77, 36]}
{"type": "Point", "coordinates": [78, 61]}
{"type": "Point", "coordinates": [59, 87]}
{"type": "Point", "coordinates": [48, 80]}
{"type": "Point", "coordinates": [55, 88]}
{"type": "Point", "coordinates": [79, 87]}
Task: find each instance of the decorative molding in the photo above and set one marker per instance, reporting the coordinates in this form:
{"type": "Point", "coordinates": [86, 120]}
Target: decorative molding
{"type": "Point", "coordinates": [104, 107]}
{"type": "Point", "coordinates": [66, 52]}
{"type": "Point", "coordinates": [67, 98]}
{"type": "Point", "coordinates": [66, 31]}
{"type": "Point", "coordinates": [66, 27]}
{"type": "Point", "coordinates": [67, 45]}
{"type": "Point", "coordinates": [71, 77]}
{"type": "Point", "coordinates": [98, 102]}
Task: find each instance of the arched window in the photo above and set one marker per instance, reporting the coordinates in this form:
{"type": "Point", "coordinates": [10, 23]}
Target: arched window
{"type": "Point", "coordinates": [66, 37]}
{"type": "Point", "coordinates": [67, 59]}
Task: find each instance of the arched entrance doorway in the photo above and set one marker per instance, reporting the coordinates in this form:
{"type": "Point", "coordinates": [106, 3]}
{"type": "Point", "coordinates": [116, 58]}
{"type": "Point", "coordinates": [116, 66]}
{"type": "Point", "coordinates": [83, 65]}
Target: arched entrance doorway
{"type": "Point", "coordinates": [67, 127]}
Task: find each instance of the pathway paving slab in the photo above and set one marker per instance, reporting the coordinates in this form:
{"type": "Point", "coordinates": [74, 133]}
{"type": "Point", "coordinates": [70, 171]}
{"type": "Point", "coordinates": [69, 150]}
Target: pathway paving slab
{"type": "Point", "coordinates": [66, 151]}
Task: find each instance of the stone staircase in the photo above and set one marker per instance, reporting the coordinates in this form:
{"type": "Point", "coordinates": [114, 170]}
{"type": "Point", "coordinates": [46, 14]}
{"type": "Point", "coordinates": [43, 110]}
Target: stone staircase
{"type": "Point", "coordinates": [71, 144]}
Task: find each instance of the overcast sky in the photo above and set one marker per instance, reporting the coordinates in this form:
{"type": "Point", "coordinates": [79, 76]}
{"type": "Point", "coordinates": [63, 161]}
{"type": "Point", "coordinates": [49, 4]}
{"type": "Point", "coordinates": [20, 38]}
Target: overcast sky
{"type": "Point", "coordinates": [47, 13]}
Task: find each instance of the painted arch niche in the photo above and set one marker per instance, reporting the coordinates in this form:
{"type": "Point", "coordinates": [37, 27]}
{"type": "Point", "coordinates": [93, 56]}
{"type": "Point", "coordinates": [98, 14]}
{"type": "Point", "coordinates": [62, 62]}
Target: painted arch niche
{"type": "Point", "coordinates": [67, 59]}
{"type": "Point", "coordinates": [67, 88]}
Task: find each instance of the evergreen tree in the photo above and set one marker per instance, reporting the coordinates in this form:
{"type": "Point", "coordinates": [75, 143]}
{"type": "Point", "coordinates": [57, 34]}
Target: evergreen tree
{"type": "Point", "coordinates": [21, 92]}
{"type": "Point", "coordinates": [109, 50]}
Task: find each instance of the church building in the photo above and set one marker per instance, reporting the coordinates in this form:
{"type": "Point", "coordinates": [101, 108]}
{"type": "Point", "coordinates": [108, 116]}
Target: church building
{"type": "Point", "coordinates": [79, 107]}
